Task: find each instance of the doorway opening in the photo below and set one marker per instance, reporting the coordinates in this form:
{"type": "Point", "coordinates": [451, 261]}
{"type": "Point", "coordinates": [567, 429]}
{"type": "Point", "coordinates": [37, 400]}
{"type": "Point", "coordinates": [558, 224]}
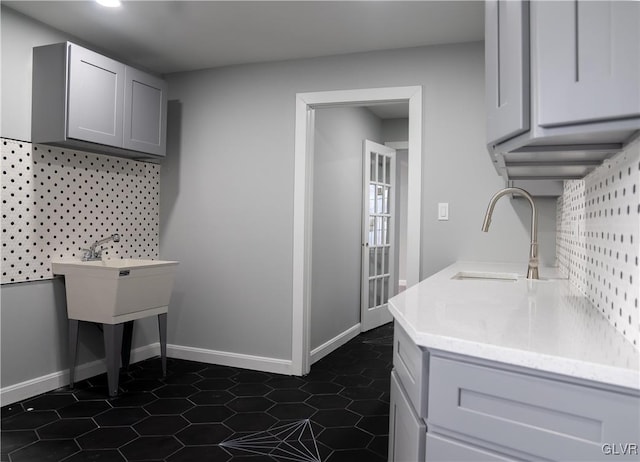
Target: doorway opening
{"type": "Point", "coordinates": [306, 104]}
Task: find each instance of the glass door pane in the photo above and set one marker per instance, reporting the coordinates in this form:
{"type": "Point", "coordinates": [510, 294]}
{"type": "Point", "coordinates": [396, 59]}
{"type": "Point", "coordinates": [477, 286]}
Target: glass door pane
{"type": "Point", "coordinates": [378, 171]}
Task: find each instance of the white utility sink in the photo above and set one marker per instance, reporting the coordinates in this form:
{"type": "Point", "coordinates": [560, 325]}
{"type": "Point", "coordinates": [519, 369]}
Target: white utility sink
{"type": "Point", "coordinates": [485, 276]}
{"type": "Point", "coordinates": [116, 291]}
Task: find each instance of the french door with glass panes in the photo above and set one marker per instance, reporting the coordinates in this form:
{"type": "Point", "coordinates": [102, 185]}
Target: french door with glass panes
{"type": "Point", "coordinates": [378, 273]}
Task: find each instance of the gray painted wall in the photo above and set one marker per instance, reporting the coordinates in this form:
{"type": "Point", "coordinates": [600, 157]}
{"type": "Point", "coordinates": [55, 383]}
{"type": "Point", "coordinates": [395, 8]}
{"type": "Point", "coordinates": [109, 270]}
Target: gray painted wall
{"type": "Point", "coordinates": [337, 219]}
{"type": "Point", "coordinates": [33, 315]}
{"type": "Point", "coordinates": [227, 185]}
{"type": "Point", "coordinates": [227, 192]}
{"type": "Point", "coordinates": [395, 129]}
{"type": "Point", "coordinates": [19, 35]}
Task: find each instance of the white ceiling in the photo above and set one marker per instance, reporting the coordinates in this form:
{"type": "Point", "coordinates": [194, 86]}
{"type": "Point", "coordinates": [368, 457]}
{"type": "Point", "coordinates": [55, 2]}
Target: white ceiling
{"type": "Point", "coordinates": [173, 36]}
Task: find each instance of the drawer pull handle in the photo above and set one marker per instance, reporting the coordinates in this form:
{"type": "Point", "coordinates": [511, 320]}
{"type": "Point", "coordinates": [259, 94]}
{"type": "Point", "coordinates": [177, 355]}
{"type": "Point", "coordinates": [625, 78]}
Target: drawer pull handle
{"type": "Point", "coordinates": [124, 273]}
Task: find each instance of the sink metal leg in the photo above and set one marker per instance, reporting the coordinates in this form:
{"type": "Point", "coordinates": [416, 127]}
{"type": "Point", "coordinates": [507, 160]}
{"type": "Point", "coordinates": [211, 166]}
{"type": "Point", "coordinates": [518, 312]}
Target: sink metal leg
{"type": "Point", "coordinates": [127, 335]}
{"type": "Point", "coordinates": [113, 346]}
{"type": "Point", "coordinates": [73, 349]}
{"type": "Point", "coordinates": [162, 328]}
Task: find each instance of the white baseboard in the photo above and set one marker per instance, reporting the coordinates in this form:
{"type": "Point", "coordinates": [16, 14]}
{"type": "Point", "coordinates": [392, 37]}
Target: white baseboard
{"type": "Point", "coordinates": [336, 342]}
{"type": "Point", "coordinates": [225, 358]}
{"type": "Point", "coordinates": [39, 385]}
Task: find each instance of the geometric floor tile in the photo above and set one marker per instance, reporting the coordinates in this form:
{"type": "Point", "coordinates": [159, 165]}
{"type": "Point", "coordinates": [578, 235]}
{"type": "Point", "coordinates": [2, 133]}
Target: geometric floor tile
{"type": "Point", "coordinates": [294, 441]}
{"type": "Point", "coordinates": [212, 413]}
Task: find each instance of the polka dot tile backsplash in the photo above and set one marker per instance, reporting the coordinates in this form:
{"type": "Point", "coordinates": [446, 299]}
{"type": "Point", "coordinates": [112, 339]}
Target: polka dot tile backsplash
{"type": "Point", "coordinates": [598, 239]}
{"type": "Point", "coordinates": [57, 201]}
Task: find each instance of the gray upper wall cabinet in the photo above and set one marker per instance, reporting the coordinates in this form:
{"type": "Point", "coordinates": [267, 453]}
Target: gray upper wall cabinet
{"type": "Point", "coordinates": [507, 68]}
{"type": "Point", "coordinates": [96, 97]}
{"type": "Point", "coordinates": [562, 85]}
{"type": "Point", "coordinates": [87, 101]}
{"type": "Point", "coordinates": [145, 112]}
{"type": "Point", "coordinates": [588, 61]}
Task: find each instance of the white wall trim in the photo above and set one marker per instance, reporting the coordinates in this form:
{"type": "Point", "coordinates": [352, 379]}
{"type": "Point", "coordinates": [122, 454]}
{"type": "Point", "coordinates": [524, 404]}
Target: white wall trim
{"type": "Point", "coordinates": [225, 358]}
{"type": "Point", "coordinates": [45, 383]}
{"type": "Point", "coordinates": [306, 103]}
{"type": "Point", "coordinates": [336, 342]}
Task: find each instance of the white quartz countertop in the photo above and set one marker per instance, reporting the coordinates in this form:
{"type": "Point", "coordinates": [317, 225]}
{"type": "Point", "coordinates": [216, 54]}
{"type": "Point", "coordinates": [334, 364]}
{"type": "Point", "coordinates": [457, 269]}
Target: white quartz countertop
{"type": "Point", "coordinates": [547, 325]}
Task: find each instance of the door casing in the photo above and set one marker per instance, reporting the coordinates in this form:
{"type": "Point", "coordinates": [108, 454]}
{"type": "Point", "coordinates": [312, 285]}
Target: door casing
{"type": "Point", "coordinates": [306, 103]}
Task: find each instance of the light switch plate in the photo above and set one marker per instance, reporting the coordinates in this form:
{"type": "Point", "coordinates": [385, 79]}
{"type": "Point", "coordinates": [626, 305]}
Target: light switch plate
{"type": "Point", "coordinates": [443, 211]}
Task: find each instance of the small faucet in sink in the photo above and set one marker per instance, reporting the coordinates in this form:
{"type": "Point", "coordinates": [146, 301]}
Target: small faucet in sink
{"type": "Point", "coordinates": [532, 270]}
{"type": "Point", "coordinates": [93, 254]}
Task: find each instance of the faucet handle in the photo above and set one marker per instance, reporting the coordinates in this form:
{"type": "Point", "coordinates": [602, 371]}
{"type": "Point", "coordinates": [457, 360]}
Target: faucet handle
{"type": "Point", "coordinates": [91, 255]}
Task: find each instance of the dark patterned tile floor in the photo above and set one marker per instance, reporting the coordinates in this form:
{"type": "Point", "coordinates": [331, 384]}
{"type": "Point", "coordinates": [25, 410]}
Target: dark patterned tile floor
{"type": "Point", "coordinates": [209, 413]}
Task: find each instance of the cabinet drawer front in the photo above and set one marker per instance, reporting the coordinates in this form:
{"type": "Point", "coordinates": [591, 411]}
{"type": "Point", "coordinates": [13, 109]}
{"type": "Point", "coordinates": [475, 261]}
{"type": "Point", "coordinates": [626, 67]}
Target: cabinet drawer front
{"type": "Point", "coordinates": [445, 450]}
{"type": "Point", "coordinates": [538, 416]}
{"type": "Point", "coordinates": [407, 431]}
{"type": "Point", "coordinates": [409, 362]}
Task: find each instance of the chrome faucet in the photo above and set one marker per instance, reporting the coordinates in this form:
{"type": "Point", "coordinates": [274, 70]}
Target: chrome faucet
{"type": "Point", "coordinates": [93, 254]}
{"type": "Point", "coordinates": [532, 270]}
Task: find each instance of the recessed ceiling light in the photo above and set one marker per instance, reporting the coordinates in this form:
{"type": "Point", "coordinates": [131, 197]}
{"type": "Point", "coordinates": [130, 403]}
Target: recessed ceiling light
{"type": "Point", "coordinates": [109, 3]}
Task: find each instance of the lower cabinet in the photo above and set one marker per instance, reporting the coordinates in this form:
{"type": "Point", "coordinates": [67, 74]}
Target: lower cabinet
{"type": "Point", "coordinates": [407, 431]}
{"type": "Point", "coordinates": [444, 449]}
{"type": "Point", "coordinates": [461, 408]}
{"type": "Point", "coordinates": [411, 365]}
{"type": "Point", "coordinates": [532, 413]}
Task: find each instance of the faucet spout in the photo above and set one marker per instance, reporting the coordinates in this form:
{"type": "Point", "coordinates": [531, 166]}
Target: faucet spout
{"type": "Point", "coordinates": [113, 237]}
{"type": "Point", "coordinates": [532, 270]}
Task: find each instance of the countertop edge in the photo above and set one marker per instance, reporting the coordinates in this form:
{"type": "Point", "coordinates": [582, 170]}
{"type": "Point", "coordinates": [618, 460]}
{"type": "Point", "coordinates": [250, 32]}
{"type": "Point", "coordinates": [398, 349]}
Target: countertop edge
{"type": "Point", "coordinates": [609, 375]}
{"type": "Point", "coordinates": [565, 366]}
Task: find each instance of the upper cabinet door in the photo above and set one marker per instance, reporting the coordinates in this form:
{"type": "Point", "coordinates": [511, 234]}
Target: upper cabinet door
{"type": "Point", "coordinates": [588, 61]}
{"type": "Point", "coordinates": [145, 112]}
{"type": "Point", "coordinates": [96, 85]}
{"type": "Point", "coordinates": [507, 68]}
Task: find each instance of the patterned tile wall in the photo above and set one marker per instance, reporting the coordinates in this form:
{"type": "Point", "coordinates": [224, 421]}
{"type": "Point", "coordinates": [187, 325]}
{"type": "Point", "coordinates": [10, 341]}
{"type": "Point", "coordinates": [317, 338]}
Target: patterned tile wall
{"type": "Point", "coordinates": [57, 201]}
{"type": "Point", "coordinates": [598, 238]}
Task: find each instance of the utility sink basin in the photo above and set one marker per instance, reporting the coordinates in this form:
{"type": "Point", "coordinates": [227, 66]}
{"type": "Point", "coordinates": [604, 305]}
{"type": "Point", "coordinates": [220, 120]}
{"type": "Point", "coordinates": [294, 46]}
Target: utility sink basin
{"type": "Point", "coordinates": [116, 291]}
{"type": "Point", "coordinates": [485, 276]}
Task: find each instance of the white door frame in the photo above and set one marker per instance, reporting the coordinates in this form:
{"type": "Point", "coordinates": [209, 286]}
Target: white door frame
{"type": "Point", "coordinates": [306, 103]}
